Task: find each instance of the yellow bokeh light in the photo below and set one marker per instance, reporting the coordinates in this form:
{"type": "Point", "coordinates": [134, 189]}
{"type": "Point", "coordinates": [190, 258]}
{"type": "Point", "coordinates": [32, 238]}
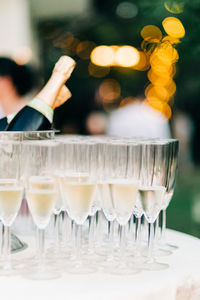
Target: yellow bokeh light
{"type": "Point", "coordinates": [159, 79]}
{"type": "Point", "coordinates": [109, 90]}
{"type": "Point", "coordinates": [143, 63]}
{"type": "Point", "coordinates": [163, 70]}
{"type": "Point", "coordinates": [22, 55]}
{"type": "Point", "coordinates": [172, 40]}
{"type": "Point", "coordinates": [159, 105]}
{"type": "Point", "coordinates": [158, 92]}
{"type": "Point", "coordinates": [159, 67]}
{"type": "Point", "coordinates": [173, 27]}
{"type": "Point", "coordinates": [151, 33]}
{"type": "Point", "coordinates": [174, 7]}
{"type": "Point", "coordinates": [171, 88]}
{"type": "Point", "coordinates": [148, 47]}
{"type": "Point", "coordinates": [167, 53]}
{"type": "Point", "coordinates": [103, 56]}
{"type": "Point", "coordinates": [127, 56]}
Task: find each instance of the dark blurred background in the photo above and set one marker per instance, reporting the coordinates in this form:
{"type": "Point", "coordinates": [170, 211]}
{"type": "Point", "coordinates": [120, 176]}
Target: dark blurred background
{"type": "Point", "coordinates": [38, 32]}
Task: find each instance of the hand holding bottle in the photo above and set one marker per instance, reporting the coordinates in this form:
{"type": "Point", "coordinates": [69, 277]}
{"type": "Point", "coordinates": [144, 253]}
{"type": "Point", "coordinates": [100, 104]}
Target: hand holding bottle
{"type": "Point", "coordinates": [61, 73]}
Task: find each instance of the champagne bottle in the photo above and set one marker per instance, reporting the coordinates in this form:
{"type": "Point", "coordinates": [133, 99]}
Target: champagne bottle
{"type": "Point", "coordinates": [53, 94]}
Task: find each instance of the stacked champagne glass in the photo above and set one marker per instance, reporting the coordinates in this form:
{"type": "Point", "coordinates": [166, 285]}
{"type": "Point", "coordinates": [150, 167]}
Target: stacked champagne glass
{"type": "Point", "coordinates": [105, 195]}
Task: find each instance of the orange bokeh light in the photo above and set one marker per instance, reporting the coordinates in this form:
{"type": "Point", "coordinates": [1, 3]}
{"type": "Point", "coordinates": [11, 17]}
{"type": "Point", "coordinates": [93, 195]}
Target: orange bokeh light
{"type": "Point", "coordinates": [109, 90]}
{"type": "Point", "coordinates": [127, 101]}
{"type": "Point", "coordinates": [84, 49]}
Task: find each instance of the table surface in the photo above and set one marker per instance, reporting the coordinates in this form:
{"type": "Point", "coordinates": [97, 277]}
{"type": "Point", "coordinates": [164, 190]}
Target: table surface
{"type": "Point", "coordinates": [181, 281]}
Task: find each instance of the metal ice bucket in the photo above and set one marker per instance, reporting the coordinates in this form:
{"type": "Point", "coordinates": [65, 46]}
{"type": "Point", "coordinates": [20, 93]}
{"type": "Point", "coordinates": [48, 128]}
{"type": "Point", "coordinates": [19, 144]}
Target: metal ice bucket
{"type": "Point", "coordinates": [27, 135]}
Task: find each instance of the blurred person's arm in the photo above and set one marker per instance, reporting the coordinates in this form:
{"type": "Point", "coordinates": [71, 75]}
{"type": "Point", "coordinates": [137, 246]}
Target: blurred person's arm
{"type": "Point", "coordinates": [38, 114]}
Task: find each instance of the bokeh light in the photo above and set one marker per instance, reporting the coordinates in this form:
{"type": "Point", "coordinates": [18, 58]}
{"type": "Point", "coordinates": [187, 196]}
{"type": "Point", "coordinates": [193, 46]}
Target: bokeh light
{"type": "Point", "coordinates": [127, 100]}
{"type": "Point", "coordinates": [151, 33]}
{"type": "Point", "coordinates": [126, 10]}
{"type": "Point", "coordinates": [127, 56]}
{"type": "Point", "coordinates": [22, 55]}
{"type": "Point", "coordinates": [143, 63]}
{"type": "Point", "coordinates": [174, 6]}
{"type": "Point", "coordinates": [163, 107]}
{"type": "Point", "coordinates": [70, 44]}
{"type": "Point", "coordinates": [159, 92]}
{"type": "Point", "coordinates": [84, 49]}
{"type": "Point", "coordinates": [160, 78]}
{"type": "Point", "coordinates": [173, 27]}
{"type": "Point", "coordinates": [172, 40]}
{"type": "Point", "coordinates": [103, 56]}
{"type": "Point", "coordinates": [97, 71]}
{"type": "Point", "coordinates": [148, 47]}
{"type": "Point", "coordinates": [109, 90]}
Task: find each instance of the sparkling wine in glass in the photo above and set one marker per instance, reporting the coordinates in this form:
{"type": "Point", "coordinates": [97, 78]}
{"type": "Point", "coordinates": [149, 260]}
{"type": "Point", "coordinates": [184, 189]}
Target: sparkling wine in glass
{"type": "Point", "coordinates": [11, 194]}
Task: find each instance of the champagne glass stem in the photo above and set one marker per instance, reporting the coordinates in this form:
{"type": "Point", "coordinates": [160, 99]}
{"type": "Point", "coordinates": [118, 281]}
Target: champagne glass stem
{"type": "Point", "coordinates": [6, 245]}
{"type": "Point", "coordinates": [150, 242]}
{"type": "Point", "coordinates": [41, 246]}
{"type": "Point", "coordinates": [145, 229]}
{"type": "Point", "coordinates": [91, 233]}
{"type": "Point", "coordinates": [131, 227]}
{"type": "Point", "coordinates": [122, 242]}
{"type": "Point", "coordinates": [56, 230]}
{"type": "Point", "coordinates": [78, 242]}
{"type": "Point", "coordinates": [156, 230]}
{"type": "Point", "coordinates": [67, 231]}
{"type": "Point", "coordinates": [110, 239]}
{"type": "Point", "coordinates": [138, 233]}
{"type": "Point", "coordinates": [163, 226]}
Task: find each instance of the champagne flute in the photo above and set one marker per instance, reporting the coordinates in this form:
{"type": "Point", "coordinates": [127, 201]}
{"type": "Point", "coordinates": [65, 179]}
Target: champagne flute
{"type": "Point", "coordinates": [154, 174]}
{"type": "Point", "coordinates": [41, 193]}
{"type": "Point", "coordinates": [123, 191]}
{"type": "Point", "coordinates": [11, 194]}
{"type": "Point", "coordinates": [169, 192]}
{"type": "Point", "coordinates": [78, 190]}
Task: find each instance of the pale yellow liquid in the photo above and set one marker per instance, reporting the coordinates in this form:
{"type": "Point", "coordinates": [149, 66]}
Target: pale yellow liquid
{"type": "Point", "coordinates": [79, 199]}
{"type": "Point", "coordinates": [49, 181]}
{"type": "Point", "coordinates": [41, 182]}
{"type": "Point", "coordinates": [124, 195]}
{"type": "Point", "coordinates": [10, 201]}
{"type": "Point", "coordinates": [67, 179]}
{"type": "Point", "coordinates": [41, 203]}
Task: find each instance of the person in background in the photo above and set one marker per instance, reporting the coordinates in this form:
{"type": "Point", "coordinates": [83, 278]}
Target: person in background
{"type": "Point", "coordinates": [38, 113]}
{"type": "Point", "coordinates": [138, 119]}
{"type": "Point", "coordinates": [15, 83]}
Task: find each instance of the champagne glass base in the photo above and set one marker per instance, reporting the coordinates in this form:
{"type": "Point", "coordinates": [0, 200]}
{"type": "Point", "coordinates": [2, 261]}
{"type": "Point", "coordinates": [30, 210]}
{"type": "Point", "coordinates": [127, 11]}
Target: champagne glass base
{"type": "Point", "coordinates": [154, 266]}
{"type": "Point", "coordinates": [124, 269]}
{"type": "Point", "coordinates": [80, 268]}
{"type": "Point", "coordinates": [108, 265]}
{"type": "Point", "coordinates": [41, 273]}
{"type": "Point", "coordinates": [169, 247]}
{"type": "Point", "coordinates": [7, 270]}
{"type": "Point", "coordinates": [162, 252]}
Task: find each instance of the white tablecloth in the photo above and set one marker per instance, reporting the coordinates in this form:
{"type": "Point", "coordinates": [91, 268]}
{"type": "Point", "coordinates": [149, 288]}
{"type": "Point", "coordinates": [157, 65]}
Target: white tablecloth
{"type": "Point", "coordinates": [180, 282]}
